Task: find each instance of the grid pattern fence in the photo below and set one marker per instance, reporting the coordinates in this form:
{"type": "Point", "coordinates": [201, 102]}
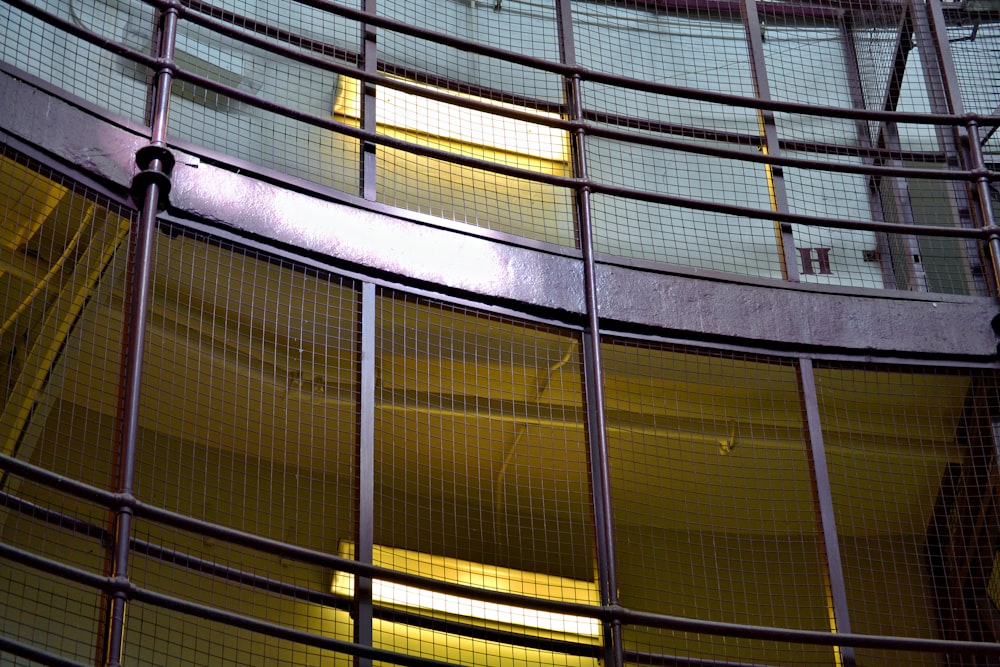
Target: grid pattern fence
{"type": "Point", "coordinates": [328, 470]}
{"type": "Point", "coordinates": [775, 139]}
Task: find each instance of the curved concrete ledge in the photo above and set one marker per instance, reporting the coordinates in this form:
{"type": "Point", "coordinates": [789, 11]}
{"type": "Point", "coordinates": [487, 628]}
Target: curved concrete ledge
{"type": "Point", "coordinates": [889, 323]}
{"type": "Point", "coordinates": [893, 324]}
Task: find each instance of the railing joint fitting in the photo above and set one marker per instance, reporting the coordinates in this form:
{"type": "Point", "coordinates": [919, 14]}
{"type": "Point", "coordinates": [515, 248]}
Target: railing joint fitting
{"type": "Point", "coordinates": [119, 586]}
{"type": "Point", "coordinates": [172, 6]}
{"type": "Point", "coordinates": [126, 502]}
{"type": "Point", "coordinates": [156, 163]}
{"type": "Point", "coordinates": [162, 64]}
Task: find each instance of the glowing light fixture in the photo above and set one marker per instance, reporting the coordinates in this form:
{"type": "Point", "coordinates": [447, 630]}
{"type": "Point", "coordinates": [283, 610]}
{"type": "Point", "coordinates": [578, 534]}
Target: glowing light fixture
{"type": "Point", "coordinates": [421, 119]}
{"type": "Point", "coordinates": [487, 577]}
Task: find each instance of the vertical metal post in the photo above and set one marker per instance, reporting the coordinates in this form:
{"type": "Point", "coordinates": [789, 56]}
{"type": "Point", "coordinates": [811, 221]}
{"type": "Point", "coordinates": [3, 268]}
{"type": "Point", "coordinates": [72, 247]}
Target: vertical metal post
{"type": "Point", "coordinates": [827, 527]}
{"type": "Point", "coordinates": [905, 268]}
{"type": "Point", "coordinates": [982, 189]}
{"type": "Point", "coordinates": [899, 188]}
{"type": "Point", "coordinates": [942, 86]}
{"type": "Point", "coordinates": [365, 531]}
{"type": "Point", "coordinates": [775, 174]}
{"type": "Point", "coordinates": [865, 141]}
{"type": "Point", "coordinates": [369, 49]}
{"type": "Point", "coordinates": [976, 197]}
{"type": "Point", "coordinates": [137, 305]}
{"type": "Point", "coordinates": [597, 434]}
{"type": "Point", "coordinates": [929, 15]}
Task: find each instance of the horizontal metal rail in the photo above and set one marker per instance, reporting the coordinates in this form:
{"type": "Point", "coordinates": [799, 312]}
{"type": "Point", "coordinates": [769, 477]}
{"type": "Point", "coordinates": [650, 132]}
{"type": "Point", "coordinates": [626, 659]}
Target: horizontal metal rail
{"type": "Point", "coordinates": [605, 613]}
{"type": "Point", "coordinates": [593, 76]}
{"type": "Point", "coordinates": [35, 654]}
{"type": "Point", "coordinates": [598, 187]}
{"type": "Point", "coordinates": [569, 182]}
{"type": "Point", "coordinates": [277, 587]}
{"type": "Point", "coordinates": [203, 17]}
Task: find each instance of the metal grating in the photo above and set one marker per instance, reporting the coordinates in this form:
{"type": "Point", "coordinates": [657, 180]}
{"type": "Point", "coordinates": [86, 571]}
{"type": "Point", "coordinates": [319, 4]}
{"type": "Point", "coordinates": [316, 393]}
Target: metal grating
{"type": "Point", "coordinates": [62, 252]}
{"type": "Point", "coordinates": [513, 111]}
{"type": "Point", "coordinates": [916, 543]}
{"type": "Point", "coordinates": [481, 456]}
{"type": "Point", "coordinates": [293, 417]}
{"type": "Point", "coordinates": [252, 129]}
{"type": "Point", "coordinates": [711, 484]}
{"type": "Point", "coordinates": [249, 416]}
{"type": "Point", "coordinates": [81, 68]}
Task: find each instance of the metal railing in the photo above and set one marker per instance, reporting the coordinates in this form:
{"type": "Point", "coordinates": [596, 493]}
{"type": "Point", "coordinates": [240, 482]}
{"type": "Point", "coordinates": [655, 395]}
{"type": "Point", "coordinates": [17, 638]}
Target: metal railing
{"type": "Point", "coordinates": [761, 193]}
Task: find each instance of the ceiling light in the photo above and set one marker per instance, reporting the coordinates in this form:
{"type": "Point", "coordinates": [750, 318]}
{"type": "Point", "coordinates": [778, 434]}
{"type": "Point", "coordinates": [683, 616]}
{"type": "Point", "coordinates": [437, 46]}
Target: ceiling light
{"type": "Point", "coordinates": [486, 577]}
{"type": "Point", "coordinates": [429, 122]}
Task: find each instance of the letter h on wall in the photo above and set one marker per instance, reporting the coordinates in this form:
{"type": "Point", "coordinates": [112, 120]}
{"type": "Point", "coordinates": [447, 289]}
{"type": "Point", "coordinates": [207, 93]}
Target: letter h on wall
{"type": "Point", "coordinates": [815, 261]}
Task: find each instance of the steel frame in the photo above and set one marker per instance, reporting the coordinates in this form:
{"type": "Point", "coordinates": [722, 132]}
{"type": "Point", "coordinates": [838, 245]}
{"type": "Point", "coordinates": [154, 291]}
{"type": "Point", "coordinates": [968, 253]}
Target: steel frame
{"type": "Point", "coordinates": [126, 507]}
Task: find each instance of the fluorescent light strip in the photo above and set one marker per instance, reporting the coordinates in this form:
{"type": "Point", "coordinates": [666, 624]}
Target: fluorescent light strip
{"type": "Point", "coordinates": [465, 572]}
{"type": "Point", "coordinates": [453, 122]}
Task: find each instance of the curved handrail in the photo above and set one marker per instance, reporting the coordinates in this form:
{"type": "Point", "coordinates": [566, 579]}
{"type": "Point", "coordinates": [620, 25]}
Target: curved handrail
{"type": "Point", "coordinates": [606, 613]}
{"type": "Point", "coordinates": [876, 163]}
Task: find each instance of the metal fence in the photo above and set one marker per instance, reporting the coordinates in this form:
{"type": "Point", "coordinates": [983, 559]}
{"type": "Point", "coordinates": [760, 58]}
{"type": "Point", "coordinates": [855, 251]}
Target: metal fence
{"type": "Point", "coordinates": [224, 453]}
{"type": "Point", "coordinates": [851, 145]}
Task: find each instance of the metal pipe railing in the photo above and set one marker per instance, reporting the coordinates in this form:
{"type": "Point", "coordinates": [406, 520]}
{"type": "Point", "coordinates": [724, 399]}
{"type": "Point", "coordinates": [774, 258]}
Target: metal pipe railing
{"type": "Point", "coordinates": [151, 186]}
{"type": "Point", "coordinates": [120, 590]}
{"type": "Point", "coordinates": [606, 613]}
{"type": "Point", "coordinates": [589, 127]}
{"type": "Point", "coordinates": [589, 76]}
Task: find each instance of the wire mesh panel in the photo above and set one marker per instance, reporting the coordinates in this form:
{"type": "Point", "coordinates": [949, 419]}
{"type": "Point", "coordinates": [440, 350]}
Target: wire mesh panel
{"type": "Point", "coordinates": [686, 648]}
{"type": "Point", "coordinates": [480, 197]}
{"type": "Point", "coordinates": [830, 255]}
{"type": "Point", "coordinates": [461, 193]}
{"type": "Point", "coordinates": [263, 136]}
{"type": "Point", "coordinates": [911, 455]}
{"type": "Point", "coordinates": [637, 42]}
{"type": "Point", "coordinates": [247, 583]}
{"type": "Point", "coordinates": [796, 50]}
{"type": "Point", "coordinates": [61, 258]}
{"type": "Point", "coordinates": [893, 76]}
{"type": "Point", "coordinates": [209, 642]}
{"type": "Point", "coordinates": [949, 266]}
{"type": "Point", "coordinates": [809, 61]}
{"type": "Point", "coordinates": [247, 421]}
{"type": "Point", "coordinates": [713, 501]}
{"type": "Point", "coordinates": [974, 40]}
{"type": "Point", "coordinates": [481, 478]}
{"type": "Point", "coordinates": [879, 43]}
{"type": "Point", "coordinates": [689, 237]}
{"type": "Point", "coordinates": [72, 64]}
{"type": "Point", "coordinates": [54, 614]}
{"type": "Point", "coordinates": [523, 28]}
